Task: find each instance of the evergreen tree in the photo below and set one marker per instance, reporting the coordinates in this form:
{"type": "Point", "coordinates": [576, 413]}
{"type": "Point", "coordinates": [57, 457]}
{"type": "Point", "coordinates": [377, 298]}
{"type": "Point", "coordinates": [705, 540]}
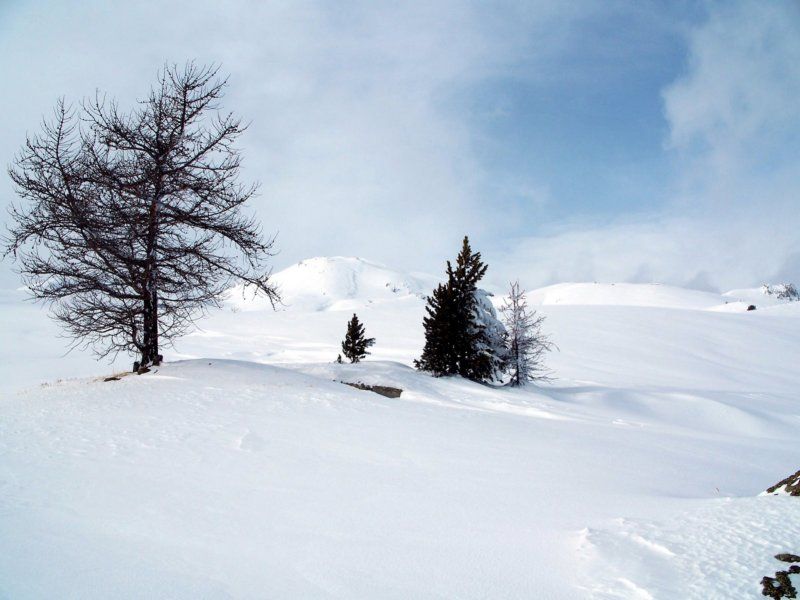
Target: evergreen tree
{"type": "Point", "coordinates": [526, 343]}
{"type": "Point", "coordinates": [441, 328]}
{"type": "Point", "coordinates": [457, 339]}
{"type": "Point", "coordinates": [355, 343]}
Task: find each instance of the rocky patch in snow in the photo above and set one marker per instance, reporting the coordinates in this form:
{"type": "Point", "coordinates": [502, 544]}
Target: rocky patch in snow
{"type": "Point", "coordinates": [383, 390]}
{"type": "Point", "coordinates": [781, 291]}
{"type": "Point", "coordinates": [781, 586]}
{"type": "Point", "coordinates": [788, 487]}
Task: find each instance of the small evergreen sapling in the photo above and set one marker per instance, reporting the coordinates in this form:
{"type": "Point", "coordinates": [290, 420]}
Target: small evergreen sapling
{"type": "Point", "coordinates": [526, 344]}
{"type": "Point", "coordinates": [355, 343]}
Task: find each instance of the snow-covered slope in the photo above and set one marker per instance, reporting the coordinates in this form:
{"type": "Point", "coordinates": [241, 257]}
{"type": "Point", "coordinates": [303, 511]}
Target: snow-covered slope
{"type": "Point", "coordinates": [653, 295]}
{"type": "Point", "coordinates": [338, 283]}
{"type": "Point", "coordinates": [627, 294]}
{"type": "Point", "coordinates": [224, 479]}
{"type": "Point", "coordinates": [246, 470]}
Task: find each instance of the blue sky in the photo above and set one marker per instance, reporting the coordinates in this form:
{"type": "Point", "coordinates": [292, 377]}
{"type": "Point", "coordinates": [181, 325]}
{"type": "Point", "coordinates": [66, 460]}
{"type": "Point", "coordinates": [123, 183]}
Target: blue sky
{"type": "Point", "coordinates": [611, 141]}
{"type": "Point", "coordinates": [598, 109]}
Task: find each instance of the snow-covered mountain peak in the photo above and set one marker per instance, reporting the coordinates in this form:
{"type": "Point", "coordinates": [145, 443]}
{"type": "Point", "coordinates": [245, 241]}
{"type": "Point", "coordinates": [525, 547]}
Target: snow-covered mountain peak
{"type": "Point", "coordinates": [340, 283]}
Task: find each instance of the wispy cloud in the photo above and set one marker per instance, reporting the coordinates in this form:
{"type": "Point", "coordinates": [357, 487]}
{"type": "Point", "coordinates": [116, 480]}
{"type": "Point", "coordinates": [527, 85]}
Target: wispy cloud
{"type": "Point", "coordinates": [363, 136]}
{"type": "Point", "coordinates": [734, 130]}
{"type": "Point", "coordinates": [354, 133]}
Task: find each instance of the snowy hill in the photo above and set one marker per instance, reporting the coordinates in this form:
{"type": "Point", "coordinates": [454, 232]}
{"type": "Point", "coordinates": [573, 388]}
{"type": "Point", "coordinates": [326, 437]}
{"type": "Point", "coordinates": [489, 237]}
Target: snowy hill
{"type": "Point", "coordinates": [243, 468]}
{"type": "Point", "coordinates": [656, 295]}
{"type": "Point", "coordinates": [348, 283]}
{"type": "Point", "coordinates": [338, 283]}
{"type": "Point", "coordinates": [624, 294]}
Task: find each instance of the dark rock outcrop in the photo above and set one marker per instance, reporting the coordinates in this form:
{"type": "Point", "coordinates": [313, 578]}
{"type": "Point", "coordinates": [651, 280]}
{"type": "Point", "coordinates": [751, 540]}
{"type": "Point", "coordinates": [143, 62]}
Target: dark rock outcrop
{"type": "Point", "coordinates": [383, 390]}
{"type": "Point", "coordinates": [789, 486]}
{"type": "Point", "coordinates": [781, 586]}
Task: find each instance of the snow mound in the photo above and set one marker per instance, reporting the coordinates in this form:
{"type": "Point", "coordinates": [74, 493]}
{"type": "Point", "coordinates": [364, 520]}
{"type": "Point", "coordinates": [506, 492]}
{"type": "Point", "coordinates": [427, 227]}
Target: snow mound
{"type": "Point", "coordinates": [337, 283]}
{"type": "Point", "coordinates": [733, 306]}
{"type": "Point", "coordinates": [625, 294]}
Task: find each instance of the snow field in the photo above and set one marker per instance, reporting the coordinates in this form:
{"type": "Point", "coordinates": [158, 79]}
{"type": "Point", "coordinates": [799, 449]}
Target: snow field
{"type": "Point", "coordinates": [243, 469]}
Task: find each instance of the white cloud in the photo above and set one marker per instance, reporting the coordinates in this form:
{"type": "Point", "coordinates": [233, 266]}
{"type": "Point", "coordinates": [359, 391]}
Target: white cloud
{"type": "Point", "coordinates": [353, 132]}
{"type": "Point", "coordinates": [734, 128]}
{"type": "Point", "coordinates": [735, 113]}
{"type": "Point", "coordinates": [361, 149]}
{"type": "Point", "coordinates": [695, 252]}
{"type": "Point", "coordinates": [743, 79]}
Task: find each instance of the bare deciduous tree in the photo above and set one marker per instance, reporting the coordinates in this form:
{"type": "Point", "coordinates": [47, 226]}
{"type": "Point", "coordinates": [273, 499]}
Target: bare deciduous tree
{"type": "Point", "coordinates": [132, 223]}
{"type": "Point", "coordinates": [527, 345]}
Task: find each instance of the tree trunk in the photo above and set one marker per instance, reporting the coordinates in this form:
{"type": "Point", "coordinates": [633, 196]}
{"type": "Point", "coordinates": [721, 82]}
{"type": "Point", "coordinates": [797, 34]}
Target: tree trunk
{"type": "Point", "coordinates": [150, 354]}
{"type": "Point", "coordinates": [155, 355]}
{"type": "Point", "coordinates": [149, 345]}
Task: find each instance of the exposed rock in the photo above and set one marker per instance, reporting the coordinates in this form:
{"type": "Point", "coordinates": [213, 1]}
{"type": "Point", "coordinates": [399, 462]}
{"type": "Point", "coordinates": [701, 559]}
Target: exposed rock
{"type": "Point", "coordinates": [781, 586]}
{"type": "Point", "coordinates": [114, 376]}
{"type": "Point", "coordinates": [751, 307]}
{"type": "Point", "coordinates": [782, 291]}
{"type": "Point", "coordinates": [789, 486]}
{"type": "Point", "coordinates": [383, 390]}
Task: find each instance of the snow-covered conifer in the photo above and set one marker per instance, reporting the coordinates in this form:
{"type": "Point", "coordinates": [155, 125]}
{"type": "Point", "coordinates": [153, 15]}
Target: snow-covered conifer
{"type": "Point", "coordinates": [492, 336]}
